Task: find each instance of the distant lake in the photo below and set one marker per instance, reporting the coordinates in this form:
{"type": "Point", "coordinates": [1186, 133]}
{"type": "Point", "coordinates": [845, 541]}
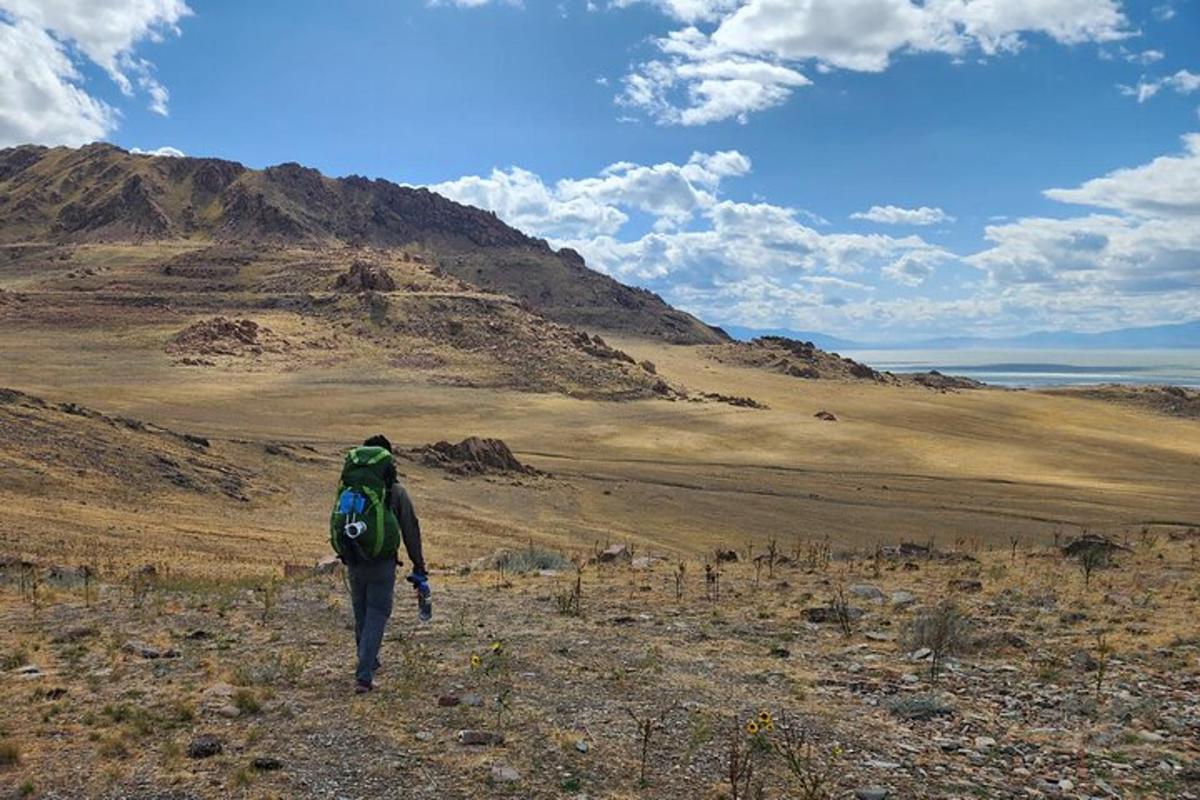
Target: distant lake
{"type": "Point", "coordinates": [1039, 368]}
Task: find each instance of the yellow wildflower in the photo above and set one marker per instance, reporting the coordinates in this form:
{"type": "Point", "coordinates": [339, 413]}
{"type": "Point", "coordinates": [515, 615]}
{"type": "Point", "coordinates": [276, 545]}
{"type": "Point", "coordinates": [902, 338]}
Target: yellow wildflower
{"type": "Point", "coordinates": [752, 728]}
{"type": "Point", "coordinates": [474, 661]}
{"type": "Point", "coordinates": [764, 717]}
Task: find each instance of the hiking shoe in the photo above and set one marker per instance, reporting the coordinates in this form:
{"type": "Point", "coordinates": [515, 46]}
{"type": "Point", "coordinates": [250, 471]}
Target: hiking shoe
{"type": "Point", "coordinates": [362, 687]}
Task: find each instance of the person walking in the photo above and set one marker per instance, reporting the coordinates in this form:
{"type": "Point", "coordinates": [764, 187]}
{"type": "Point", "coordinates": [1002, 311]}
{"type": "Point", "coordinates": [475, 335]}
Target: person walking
{"type": "Point", "coordinates": [371, 516]}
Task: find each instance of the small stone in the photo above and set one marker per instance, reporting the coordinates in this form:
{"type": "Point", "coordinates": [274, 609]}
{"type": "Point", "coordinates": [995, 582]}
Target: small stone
{"type": "Point", "coordinates": [966, 585]}
{"type": "Point", "coordinates": [872, 793]}
{"type": "Point", "coordinates": [204, 746]}
{"type": "Point", "coordinates": [504, 773]}
{"type": "Point", "coordinates": [984, 742]}
{"type": "Point", "coordinates": [448, 700]}
{"type": "Point", "coordinates": [582, 746]}
{"type": "Point", "coordinates": [266, 764]}
{"type": "Point", "coordinates": [921, 654]}
{"type": "Point", "coordinates": [327, 565]}
{"type": "Point", "coordinates": [146, 651]}
{"type": "Point", "coordinates": [616, 552]}
{"type": "Point", "coordinates": [902, 599]}
{"type": "Point", "coordinates": [424, 736]}
{"type": "Point", "coordinates": [229, 711]}
{"type": "Point", "coordinates": [75, 634]}
{"type": "Point", "coordinates": [471, 737]}
{"type": "Point", "coordinates": [473, 700]}
{"type": "Point", "coordinates": [867, 592]}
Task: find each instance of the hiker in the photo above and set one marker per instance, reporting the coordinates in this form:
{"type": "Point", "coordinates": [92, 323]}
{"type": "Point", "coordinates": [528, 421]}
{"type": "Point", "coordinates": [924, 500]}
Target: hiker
{"type": "Point", "coordinates": [373, 513]}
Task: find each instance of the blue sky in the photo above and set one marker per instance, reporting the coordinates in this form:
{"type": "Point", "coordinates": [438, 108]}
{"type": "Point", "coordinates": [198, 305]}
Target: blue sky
{"type": "Point", "coordinates": [868, 168]}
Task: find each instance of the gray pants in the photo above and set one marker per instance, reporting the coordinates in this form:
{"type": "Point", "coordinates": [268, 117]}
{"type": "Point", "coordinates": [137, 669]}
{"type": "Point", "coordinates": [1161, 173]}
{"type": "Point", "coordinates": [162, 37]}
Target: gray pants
{"type": "Point", "coordinates": [372, 586]}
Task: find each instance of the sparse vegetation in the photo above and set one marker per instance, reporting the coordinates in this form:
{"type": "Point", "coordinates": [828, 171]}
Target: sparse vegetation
{"type": "Point", "coordinates": [942, 630]}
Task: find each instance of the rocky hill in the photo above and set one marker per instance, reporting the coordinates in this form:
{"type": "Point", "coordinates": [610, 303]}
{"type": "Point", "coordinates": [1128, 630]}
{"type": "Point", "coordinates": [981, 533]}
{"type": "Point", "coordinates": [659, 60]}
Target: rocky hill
{"type": "Point", "coordinates": [799, 359]}
{"type": "Point", "coordinates": [101, 193]}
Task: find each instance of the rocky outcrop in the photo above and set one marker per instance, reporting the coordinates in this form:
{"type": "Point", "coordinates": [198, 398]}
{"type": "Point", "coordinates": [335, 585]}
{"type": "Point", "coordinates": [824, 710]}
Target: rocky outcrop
{"type": "Point", "coordinates": [363, 276]}
{"type": "Point", "coordinates": [472, 456]}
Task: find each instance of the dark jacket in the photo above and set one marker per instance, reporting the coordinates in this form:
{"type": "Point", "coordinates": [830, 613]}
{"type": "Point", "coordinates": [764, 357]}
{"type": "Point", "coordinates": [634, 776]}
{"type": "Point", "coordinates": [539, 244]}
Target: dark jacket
{"type": "Point", "coordinates": [410, 527]}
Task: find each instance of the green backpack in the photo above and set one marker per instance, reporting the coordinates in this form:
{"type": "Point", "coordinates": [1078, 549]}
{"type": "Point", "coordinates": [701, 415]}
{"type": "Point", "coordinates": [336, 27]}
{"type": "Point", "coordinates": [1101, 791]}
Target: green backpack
{"type": "Point", "coordinates": [362, 527]}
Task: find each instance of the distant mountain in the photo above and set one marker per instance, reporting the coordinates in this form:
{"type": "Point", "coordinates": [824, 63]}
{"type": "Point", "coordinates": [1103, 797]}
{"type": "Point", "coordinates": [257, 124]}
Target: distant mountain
{"type": "Point", "coordinates": [1182, 335]}
{"type": "Point", "coordinates": [101, 193]}
{"type": "Point", "coordinates": [821, 340]}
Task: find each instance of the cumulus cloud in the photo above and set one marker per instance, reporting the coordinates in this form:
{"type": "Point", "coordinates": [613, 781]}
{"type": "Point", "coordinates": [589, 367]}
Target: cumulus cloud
{"type": "Point", "coordinates": [749, 61]}
{"type": "Point", "coordinates": [165, 151]}
{"type": "Point", "coordinates": [580, 207]}
{"type": "Point", "coordinates": [895, 215]}
{"type": "Point", "coordinates": [40, 99]}
{"type": "Point", "coordinates": [725, 259]}
{"type": "Point", "coordinates": [1169, 186]}
{"type": "Point", "coordinates": [1134, 259]}
{"type": "Point", "coordinates": [42, 94]}
{"type": "Point", "coordinates": [1182, 82]}
{"type": "Point", "coordinates": [1150, 246]}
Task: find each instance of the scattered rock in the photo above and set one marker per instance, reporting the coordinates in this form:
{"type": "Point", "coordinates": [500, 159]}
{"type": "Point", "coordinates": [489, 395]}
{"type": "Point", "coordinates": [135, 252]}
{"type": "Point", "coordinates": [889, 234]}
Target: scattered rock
{"type": "Point", "coordinates": [582, 746]}
{"type": "Point", "coordinates": [966, 585]}
{"type": "Point", "coordinates": [504, 773]}
{"type": "Point", "coordinates": [472, 700]}
{"type": "Point", "coordinates": [473, 737]}
{"type": "Point", "coordinates": [872, 793]}
{"type": "Point", "coordinates": [1083, 661]}
{"type": "Point", "coordinates": [825, 416]}
{"type": "Point", "coordinates": [902, 599]}
{"type": "Point", "coordinates": [327, 565]}
{"type": "Point", "coordinates": [204, 746]}
{"type": "Point", "coordinates": [615, 552]}
{"type": "Point", "coordinates": [146, 651]}
{"type": "Point", "coordinates": [266, 764]}
{"type": "Point", "coordinates": [448, 701]}
{"type": "Point", "coordinates": [75, 634]}
{"type": "Point", "coordinates": [726, 555]}
{"type": "Point", "coordinates": [826, 614]}
{"type": "Point", "coordinates": [867, 592]}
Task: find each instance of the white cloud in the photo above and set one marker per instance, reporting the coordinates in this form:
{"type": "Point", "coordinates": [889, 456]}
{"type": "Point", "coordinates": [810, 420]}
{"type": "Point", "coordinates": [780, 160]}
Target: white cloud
{"type": "Point", "coordinates": [895, 215]}
{"type": "Point", "coordinates": [1182, 82]}
{"type": "Point", "coordinates": [749, 61]}
{"type": "Point", "coordinates": [43, 97]}
{"type": "Point", "coordinates": [572, 208]}
{"type": "Point", "coordinates": [1150, 247]}
{"type": "Point", "coordinates": [106, 31]}
{"type": "Point", "coordinates": [689, 11]}
{"type": "Point", "coordinates": [40, 99]}
{"type": "Point", "coordinates": [703, 251]}
{"type": "Point", "coordinates": [168, 152]}
{"type": "Point", "coordinates": [1169, 186]}
{"type": "Point", "coordinates": [1134, 261]}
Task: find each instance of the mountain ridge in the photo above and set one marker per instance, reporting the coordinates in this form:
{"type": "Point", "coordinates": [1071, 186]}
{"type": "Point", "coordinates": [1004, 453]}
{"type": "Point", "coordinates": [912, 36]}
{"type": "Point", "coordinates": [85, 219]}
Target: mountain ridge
{"type": "Point", "coordinates": [102, 193]}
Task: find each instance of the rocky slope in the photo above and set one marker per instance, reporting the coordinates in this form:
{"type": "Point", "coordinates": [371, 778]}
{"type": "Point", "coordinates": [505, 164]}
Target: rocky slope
{"type": "Point", "coordinates": [101, 193]}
